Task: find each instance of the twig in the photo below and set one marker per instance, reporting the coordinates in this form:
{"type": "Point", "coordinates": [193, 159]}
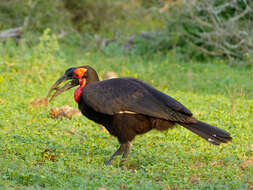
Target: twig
{"type": "Point", "coordinates": [13, 32]}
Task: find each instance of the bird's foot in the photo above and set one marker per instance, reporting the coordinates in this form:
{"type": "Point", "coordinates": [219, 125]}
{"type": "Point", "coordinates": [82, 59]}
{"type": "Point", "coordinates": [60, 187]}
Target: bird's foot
{"type": "Point", "coordinates": [122, 162]}
{"type": "Point", "coordinates": [108, 163]}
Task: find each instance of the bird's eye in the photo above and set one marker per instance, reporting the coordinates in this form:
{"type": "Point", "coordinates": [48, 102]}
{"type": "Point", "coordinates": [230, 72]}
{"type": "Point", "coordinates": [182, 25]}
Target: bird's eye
{"type": "Point", "coordinates": [76, 75]}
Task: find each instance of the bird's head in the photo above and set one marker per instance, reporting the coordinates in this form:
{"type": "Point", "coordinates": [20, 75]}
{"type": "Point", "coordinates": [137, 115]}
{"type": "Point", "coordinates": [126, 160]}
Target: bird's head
{"type": "Point", "coordinates": [82, 76]}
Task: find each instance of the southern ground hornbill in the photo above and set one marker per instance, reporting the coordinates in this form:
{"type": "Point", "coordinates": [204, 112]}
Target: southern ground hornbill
{"type": "Point", "coordinates": [128, 107]}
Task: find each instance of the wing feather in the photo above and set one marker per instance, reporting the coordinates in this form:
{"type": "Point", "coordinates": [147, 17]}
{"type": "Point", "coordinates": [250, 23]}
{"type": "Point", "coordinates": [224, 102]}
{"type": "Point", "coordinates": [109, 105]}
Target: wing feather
{"type": "Point", "coordinates": [128, 94]}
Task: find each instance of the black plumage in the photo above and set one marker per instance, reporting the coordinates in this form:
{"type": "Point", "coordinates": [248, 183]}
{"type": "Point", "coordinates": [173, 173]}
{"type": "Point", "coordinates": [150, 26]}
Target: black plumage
{"type": "Point", "coordinates": [128, 107]}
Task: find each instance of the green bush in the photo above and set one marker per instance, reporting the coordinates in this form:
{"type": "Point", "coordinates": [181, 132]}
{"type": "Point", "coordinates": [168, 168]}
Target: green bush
{"type": "Point", "coordinates": [34, 15]}
{"type": "Point", "coordinates": [109, 18]}
{"type": "Point", "coordinates": [213, 28]}
{"type": "Point", "coordinates": [37, 59]}
{"type": "Point", "coordinates": [202, 30]}
{"type": "Point", "coordinates": [193, 29]}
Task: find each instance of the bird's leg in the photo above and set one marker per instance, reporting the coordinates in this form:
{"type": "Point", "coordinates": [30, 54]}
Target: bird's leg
{"type": "Point", "coordinates": [126, 152]}
{"type": "Point", "coordinates": [119, 151]}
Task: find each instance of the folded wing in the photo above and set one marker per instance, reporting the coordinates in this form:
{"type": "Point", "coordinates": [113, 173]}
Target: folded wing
{"type": "Point", "coordinates": [128, 94]}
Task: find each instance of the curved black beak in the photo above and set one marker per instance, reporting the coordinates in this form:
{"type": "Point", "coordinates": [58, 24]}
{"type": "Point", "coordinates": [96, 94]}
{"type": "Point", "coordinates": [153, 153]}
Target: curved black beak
{"type": "Point", "coordinates": [74, 82]}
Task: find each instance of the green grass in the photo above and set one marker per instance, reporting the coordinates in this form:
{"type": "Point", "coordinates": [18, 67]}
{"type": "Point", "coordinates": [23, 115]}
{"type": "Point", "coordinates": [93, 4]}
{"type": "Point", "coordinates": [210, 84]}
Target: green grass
{"type": "Point", "coordinates": [216, 93]}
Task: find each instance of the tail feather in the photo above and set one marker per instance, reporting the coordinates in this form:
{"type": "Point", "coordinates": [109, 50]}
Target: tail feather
{"type": "Point", "coordinates": [211, 133]}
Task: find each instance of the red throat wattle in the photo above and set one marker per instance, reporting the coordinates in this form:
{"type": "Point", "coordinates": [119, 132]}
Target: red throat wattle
{"type": "Point", "coordinates": [78, 91]}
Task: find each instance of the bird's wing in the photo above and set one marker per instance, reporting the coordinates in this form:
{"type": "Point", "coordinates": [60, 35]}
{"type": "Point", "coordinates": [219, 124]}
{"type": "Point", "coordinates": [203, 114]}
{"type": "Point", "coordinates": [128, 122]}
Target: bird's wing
{"type": "Point", "coordinates": [128, 94]}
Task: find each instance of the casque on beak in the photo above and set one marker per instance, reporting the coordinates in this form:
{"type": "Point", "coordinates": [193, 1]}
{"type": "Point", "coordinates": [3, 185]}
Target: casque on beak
{"type": "Point", "coordinates": [74, 82]}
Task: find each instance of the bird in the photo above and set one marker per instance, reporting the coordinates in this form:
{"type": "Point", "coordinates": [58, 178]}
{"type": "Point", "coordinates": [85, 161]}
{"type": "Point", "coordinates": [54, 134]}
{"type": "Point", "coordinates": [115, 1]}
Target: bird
{"type": "Point", "coordinates": [128, 107]}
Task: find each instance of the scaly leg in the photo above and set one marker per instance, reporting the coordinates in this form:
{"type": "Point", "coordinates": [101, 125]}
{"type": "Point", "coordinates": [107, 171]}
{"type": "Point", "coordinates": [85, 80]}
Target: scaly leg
{"type": "Point", "coordinates": [119, 151]}
{"type": "Point", "coordinates": [126, 152]}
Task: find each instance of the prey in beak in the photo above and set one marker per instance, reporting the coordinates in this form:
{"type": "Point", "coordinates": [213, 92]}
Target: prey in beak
{"type": "Point", "coordinates": [67, 76]}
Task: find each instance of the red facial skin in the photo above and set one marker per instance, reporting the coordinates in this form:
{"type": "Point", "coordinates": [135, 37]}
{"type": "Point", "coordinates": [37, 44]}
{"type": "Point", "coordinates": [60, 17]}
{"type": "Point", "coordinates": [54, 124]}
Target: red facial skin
{"type": "Point", "coordinates": [78, 73]}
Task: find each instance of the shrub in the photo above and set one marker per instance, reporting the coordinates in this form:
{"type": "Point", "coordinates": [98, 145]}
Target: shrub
{"type": "Point", "coordinates": [35, 15]}
{"type": "Point", "coordinates": [213, 28]}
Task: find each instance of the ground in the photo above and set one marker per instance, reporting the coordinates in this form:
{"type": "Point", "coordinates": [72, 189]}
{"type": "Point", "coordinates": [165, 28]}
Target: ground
{"type": "Point", "coordinates": [38, 152]}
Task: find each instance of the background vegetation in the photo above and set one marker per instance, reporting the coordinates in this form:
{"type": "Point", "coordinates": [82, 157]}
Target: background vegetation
{"type": "Point", "coordinates": [194, 29]}
{"type": "Point", "coordinates": [165, 43]}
